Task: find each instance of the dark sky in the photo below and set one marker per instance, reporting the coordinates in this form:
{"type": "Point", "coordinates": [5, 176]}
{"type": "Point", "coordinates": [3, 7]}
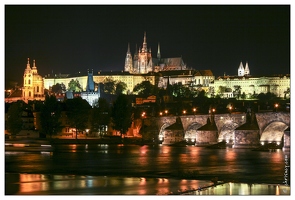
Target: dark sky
{"type": "Point", "coordinates": [69, 39]}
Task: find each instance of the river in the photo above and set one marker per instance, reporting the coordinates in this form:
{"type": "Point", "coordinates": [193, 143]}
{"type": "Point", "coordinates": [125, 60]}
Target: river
{"type": "Point", "coordinates": [148, 169]}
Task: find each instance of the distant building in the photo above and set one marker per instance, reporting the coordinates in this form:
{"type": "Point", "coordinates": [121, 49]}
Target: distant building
{"type": "Point", "coordinates": [91, 95]}
{"type": "Point", "coordinates": [189, 78]}
{"type": "Point", "coordinates": [33, 86]}
{"type": "Point", "coordinates": [230, 86]}
{"type": "Point", "coordinates": [100, 77]}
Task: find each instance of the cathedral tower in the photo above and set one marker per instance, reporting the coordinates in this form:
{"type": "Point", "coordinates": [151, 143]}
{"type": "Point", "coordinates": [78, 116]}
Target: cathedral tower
{"type": "Point", "coordinates": [241, 70]}
{"type": "Point", "coordinates": [128, 61]}
{"type": "Point", "coordinates": [144, 62]}
{"type": "Point", "coordinates": [247, 70]}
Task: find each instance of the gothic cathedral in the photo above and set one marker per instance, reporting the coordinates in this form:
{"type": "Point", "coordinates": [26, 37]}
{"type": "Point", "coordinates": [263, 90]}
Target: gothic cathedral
{"type": "Point", "coordinates": [142, 62]}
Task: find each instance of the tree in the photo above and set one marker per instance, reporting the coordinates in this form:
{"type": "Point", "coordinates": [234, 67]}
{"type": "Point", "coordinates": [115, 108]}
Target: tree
{"type": "Point", "coordinates": [145, 88]}
{"type": "Point", "coordinates": [58, 88]}
{"type": "Point", "coordinates": [243, 96]}
{"type": "Point", "coordinates": [122, 114]}
{"type": "Point", "coordinates": [100, 116]}
{"type": "Point", "coordinates": [287, 93]}
{"type": "Point", "coordinates": [14, 118]}
{"type": "Point", "coordinates": [237, 91]}
{"type": "Point", "coordinates": [50, 116]}
{"type": "Point", "coordinates": [74, 85]}
{"type": "Point", "coordinates": [181, 91]}
{"type": "Point", "coordinates": [77, 110]}
{"type": "Point", "coordinates": [221, 91]}
{"type": "Point", "coordinates": [120, 87]}
{"type": "Point", "coordinates": [109, 86]}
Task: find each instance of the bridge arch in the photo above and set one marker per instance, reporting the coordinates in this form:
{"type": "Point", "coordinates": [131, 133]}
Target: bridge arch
{"type": "Point", "coordinates": [191, 131]}
{"type": "Point", "coordinates": [273, 132]}
{"type": "Point", "coordinates": [227, 131]}
{"type": "Point", "coordinates": [161, 132]}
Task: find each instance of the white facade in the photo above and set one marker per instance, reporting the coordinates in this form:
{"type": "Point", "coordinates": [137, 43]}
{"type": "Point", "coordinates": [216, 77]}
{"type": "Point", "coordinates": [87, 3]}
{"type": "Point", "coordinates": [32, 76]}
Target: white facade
{"type": "Point", "coordinates": [251, 85]}
{"type": "Point", "coordinates": [130, 79]}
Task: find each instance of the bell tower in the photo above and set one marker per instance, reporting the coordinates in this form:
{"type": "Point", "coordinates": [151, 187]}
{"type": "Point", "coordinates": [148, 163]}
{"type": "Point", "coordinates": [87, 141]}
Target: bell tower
{"type": "Point", "coordinates": [28, 89]}
{"type": "Point", "coordinates": [33, 86]}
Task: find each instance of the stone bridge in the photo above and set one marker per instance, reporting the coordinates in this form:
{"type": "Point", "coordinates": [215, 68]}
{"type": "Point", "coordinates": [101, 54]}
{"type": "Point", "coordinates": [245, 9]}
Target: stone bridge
{"type": "Point", "coordinates": [210, 129]}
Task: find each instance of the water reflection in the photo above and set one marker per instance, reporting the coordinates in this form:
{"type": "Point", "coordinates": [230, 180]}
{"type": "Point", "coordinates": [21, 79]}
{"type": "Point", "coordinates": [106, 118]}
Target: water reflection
{"type": "Point", "coordinates": [40, 184]}
{"type": "Point", "coordinates": [244, 189]}
{"type": "Point", "coordinates": [108, 161]}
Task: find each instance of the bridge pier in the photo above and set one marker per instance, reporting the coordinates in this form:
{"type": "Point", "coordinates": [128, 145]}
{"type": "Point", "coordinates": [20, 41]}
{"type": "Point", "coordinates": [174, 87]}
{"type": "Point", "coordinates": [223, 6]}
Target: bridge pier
{"type": "Point", "coordinates": [286, 140]}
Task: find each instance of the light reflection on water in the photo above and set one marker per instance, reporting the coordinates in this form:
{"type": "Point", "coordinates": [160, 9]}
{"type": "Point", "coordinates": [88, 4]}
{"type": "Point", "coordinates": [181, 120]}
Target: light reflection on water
{"type": "Point", "coordinates": [244, 189]}
{"type": "Point", "coordinates": [40, 184]}
{"type": "Point", "coordinates": [236, 165]}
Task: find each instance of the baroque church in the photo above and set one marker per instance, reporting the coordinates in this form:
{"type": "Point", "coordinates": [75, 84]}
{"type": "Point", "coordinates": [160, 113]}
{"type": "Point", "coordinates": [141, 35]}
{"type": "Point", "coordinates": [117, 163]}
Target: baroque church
{"type": "Point", "coordinates": [142, 62]}
{"type": "Point", "coordinates": [33, 86]}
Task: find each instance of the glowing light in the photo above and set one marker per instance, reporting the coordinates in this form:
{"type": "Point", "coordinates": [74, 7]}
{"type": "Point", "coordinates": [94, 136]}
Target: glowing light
{"type": "Point", "coordinates": [143, 114]}
{"type": "Point", "coordinates": [19, 145]}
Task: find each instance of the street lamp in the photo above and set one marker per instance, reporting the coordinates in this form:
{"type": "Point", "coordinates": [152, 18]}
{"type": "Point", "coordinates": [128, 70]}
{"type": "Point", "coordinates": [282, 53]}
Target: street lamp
{"type": "Point", "coordinates": [184, 112]}
{"type": "Point", "coordinates": [166, 111]}
{"type": "Point", "coordinates": [143, 114]}
{"type": "Point", "coordinates": [276, 106]}
{"type": "Point", "coordinates": [194, 110]}
{"type": "Point", "coordinates": [161, 113]}
{"type": "Point", "coordinates": [230, 108]}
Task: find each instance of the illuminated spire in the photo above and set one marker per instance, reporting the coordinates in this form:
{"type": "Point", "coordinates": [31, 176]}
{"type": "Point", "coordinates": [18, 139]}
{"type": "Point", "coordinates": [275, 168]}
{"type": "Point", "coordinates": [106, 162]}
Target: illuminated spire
{"type": "Point", "coordinates": [241, 70]}
{"type": "Point", "coordinates": [144, 45]}
{"type": "Point", "coordinates": [247, 70]}
{"type": "Point", "coordinates": [159, 53]}
{"type": "Point", "coordinates": [34, 65]}
{"type": "Point", "coordinates": [128, 49]}
{"type": "Point", "coordinates": [28, 64]}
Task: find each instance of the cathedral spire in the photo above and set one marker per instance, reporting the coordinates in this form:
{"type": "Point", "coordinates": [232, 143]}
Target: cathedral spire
{"type": "Point", "coordinates": [128, 49]}
{"type": "Point", "coordinates": [128, 60]}
{"type": "Point", "coordinates": [159, 53]}
{"type": "Point", "coordinates": [144, 45]}
{"type": "Point", "coordinates": [247, 70]}
{"type": "Point", "coordinates": [241, 69]}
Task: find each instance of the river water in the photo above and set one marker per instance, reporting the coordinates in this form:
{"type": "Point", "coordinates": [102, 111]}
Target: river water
{"type": "Point", "coordinates": [145, 170]}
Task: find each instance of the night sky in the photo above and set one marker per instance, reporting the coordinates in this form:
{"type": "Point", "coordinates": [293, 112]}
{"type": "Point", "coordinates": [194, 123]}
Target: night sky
{"type": "Point", "coordinates": [70, 39]}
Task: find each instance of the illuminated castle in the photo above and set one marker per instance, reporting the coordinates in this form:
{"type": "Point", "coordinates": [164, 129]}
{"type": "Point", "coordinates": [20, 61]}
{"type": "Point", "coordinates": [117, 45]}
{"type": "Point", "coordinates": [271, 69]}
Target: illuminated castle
{"type": "Point", "coordinates": [142, 62]}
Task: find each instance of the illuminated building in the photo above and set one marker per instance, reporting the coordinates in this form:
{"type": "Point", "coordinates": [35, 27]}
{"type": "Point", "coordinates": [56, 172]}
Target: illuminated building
{"type": "Point", "coordinates": [229, 86]}
{"type": "Point", "coordinates": [143, 62]}
{"type": "Point", "coordinates": [33, 88]}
